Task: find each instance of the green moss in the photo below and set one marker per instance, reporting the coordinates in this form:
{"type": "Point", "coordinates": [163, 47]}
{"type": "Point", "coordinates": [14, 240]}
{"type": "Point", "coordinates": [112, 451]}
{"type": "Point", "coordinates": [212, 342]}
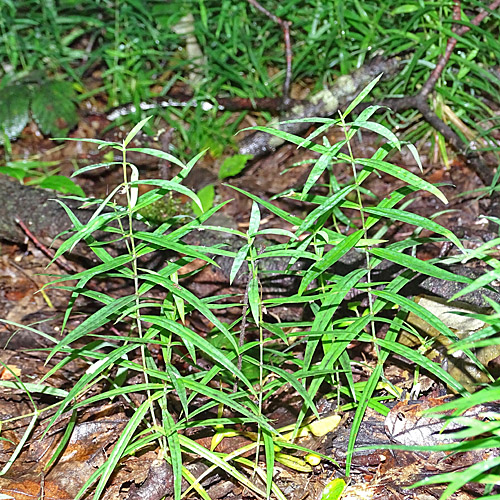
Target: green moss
{"type": "Point", "coordinates": [165, 208]}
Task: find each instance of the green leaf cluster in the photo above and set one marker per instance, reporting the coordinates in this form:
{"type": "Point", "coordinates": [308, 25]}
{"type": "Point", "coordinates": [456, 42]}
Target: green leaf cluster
{"type": "Point", "coordinates": [241, 366]}
{"type": "Point", "coordinates": [51, 104]}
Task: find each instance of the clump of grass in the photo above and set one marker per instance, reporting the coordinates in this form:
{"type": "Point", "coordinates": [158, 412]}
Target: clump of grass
{"type": "Point", "coordinates": [134, 47]}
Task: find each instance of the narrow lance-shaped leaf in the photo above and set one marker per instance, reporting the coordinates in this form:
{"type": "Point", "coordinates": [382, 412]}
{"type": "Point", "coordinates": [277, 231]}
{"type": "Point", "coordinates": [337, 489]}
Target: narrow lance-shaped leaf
{"type": "Point", "coordinates": [415, 264]}
{"type": "Point", "coordinates": [158, 153]}
{"type": "Point", "coordinates": [135, 131]}
{"type": "Point", "coordinates": [134, 190]}
{"type": "Point", "coordinates": [254, 299]}
{"type": "Point", "coordinates": [96, 320]}
{"type": "Point", "coordinates": [416, 220]}
{"type": "Point", "coordinates": [361, 96]}
{"type": "Point", "coordinates": [329, 259]}
{"type": "Point", "coordinates": [254, 223]}
{"type": "Point", "coordinates": [238, 262]}
{"type": "Point", "coordinates": [402, 174]}
{"type": "Point", "coordinates": [378, 129]}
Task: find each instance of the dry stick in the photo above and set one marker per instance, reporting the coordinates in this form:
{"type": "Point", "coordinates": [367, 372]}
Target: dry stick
{"type": "Point", "coordinates": [285, 26]}
{"type": "Point", "coordinates": [243, 328]}
{"type": "Point", "coordinates": [431, 82]}
{"type": "Point", "coordinates": [42, 247]}
{"type": "Point", "coordinates": [420, 102]}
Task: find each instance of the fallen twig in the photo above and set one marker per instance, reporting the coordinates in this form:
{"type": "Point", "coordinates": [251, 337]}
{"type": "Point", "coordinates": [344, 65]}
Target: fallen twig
{"type": "Point", "coordinates": [49, 253]}
{"type": "Point", "coordinates": [285, 26]}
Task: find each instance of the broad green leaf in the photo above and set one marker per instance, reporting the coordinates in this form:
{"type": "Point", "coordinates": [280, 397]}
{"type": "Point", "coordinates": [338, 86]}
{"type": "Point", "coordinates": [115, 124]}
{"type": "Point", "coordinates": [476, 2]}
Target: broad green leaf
{"type": "Point", "coordinates": [404, 9]}
{"type": "Point", "coordinates": [333, 490]}
{"type": "Point", "coordinates": [206, 196]}
{"type": "Point", "coordinates": [14, 110]}
{"type": "Point", "coordinates": [16, 173]}
{"type": "Point", "coordinates": [276, 231]}
{"type": "Point", "coordinates": [233, 165]}
{"type": "Point", "coordinates": [53, 108]}
{"type": "Point", "coordinates": [329, 358]}
{"type": "Point", "coordinates": [62, 184]}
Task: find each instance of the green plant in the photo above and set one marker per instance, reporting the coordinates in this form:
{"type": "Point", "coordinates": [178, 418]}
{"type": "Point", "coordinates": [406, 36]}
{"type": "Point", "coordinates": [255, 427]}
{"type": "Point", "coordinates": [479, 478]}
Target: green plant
{"type": "Point", "coordinates": [51, 103]}
{"type": "Point", "coordinates": [41, 174]}
{"type": "Point", "coordinates": [159, 320]}
{"type": "Point", "coordinates": [327, 337]}
{"type": "Point", "coordinates": [153, 322]}
{"type": "Point", "coordinates": [472, 433]}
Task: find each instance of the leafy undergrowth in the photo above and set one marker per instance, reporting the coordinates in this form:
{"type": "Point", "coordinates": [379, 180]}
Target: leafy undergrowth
{"type": "Point", "coordinates": [171, 377]}
{"type": "Point", "coordinates": [128, 52]}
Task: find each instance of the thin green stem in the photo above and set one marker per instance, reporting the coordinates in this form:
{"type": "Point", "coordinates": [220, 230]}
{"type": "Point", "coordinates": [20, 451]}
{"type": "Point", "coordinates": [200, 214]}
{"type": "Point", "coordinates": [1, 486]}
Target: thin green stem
{"type": "Point", "coordinates": [137, 314]}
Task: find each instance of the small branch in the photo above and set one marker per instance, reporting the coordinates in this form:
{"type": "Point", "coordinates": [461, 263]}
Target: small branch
{"type": "Point", "coordinates": [288, 54]}
{"type": "Point", "coordinates": [285, 26]}
{"type": "Point", "coordinates": [452, 41]}
{"type": "Point", "coordinates": [42, 247]}
{"type": "Point", "coordinates": [178, 100]}
{"type": "Point", "coordinates": [243, 328]}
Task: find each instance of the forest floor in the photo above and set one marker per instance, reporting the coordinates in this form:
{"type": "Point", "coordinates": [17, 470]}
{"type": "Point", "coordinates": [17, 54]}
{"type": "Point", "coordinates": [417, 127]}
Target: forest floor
{"type": "Point", "coordinates": [376, 473]}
